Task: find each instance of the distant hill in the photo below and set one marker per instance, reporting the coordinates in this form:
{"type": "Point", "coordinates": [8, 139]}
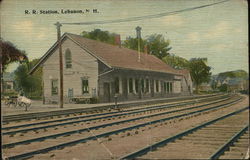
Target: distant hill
{"type": "Point", "coordinates": [230, 81]}
{"type": "Point", "coordinates": [233, 74]}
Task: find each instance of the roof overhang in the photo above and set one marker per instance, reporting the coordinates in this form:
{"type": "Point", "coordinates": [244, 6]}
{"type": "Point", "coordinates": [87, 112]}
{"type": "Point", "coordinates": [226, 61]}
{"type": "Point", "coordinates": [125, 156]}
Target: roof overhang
{"type": "Point", "coordinates": [140, 70]}
{"type": "Point", "coordinates": [54, 47]}
{"type": "Point", "coordinates": [45, 56]}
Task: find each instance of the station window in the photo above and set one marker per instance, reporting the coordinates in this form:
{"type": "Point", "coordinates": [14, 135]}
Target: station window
{"type": "Point", "coordinates": [142, 85]}
{"type": "Point", "coordinates": [165, 86]}
{"type": "Point", "coordinates": [116, 84]}
{"type": "Point", "coordinates": [171, 87]}
{"type": "Point", "coordinates": [70, 93]}
{"type": "Point", "coordinates": [168, 87]}
{"type": "Point", "coordinates": [136, 85]}
{"type": "Point", "coordinates": [130, 85]}
{"type": "Point", "coordinates": [147, 85]}
{"type": "Point", "coordinates": [157, 85]}
{"type": "Point", "coordinates": [85, 85]}
{"type": "Point", "coordinates": [68, 59]}
{"type": "Point", "coordinates": [54, 87]}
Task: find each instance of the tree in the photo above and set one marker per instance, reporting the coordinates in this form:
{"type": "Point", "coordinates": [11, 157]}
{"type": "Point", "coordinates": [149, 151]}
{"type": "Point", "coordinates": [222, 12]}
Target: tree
{"type": "Point", "coordinates": [99, 35]}
{"type": "Point", "coordinates": [132, 43]}
{"type": "Point", "coordinates": [214, 84]}
{"type": "Point", "coordinates": [158, 46]}
{"type": "Point", "coordinates": [10, 54]}
{"type": "Point", "coordinates": [176, 62]}
{"type": "Point", "coordinates": [31, 85]}
{"type": "Point", "coordinates": [199, 72]}
{"type": "Point", "coordinates": [233, 74]}
{"type": "Point", "coordinates": [156, 43]}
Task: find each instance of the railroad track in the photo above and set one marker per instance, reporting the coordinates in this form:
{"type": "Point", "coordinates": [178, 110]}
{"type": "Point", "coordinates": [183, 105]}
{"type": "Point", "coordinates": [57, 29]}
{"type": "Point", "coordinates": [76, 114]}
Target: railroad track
{"type": "Point", "coordinates": [114, 112]}
{"type": "Point", "coordinates": [79, 119]}
{"type": "Point", "coordinates": [40, 115]}
{"type": "Point", "coordinates": [69, 142]}
{"type": "Point", "coordinates": [100, 126]}
{"type": "Point", "coordinates": [235, 148]}
{"type": "Point", "coordinates": [206, 141]}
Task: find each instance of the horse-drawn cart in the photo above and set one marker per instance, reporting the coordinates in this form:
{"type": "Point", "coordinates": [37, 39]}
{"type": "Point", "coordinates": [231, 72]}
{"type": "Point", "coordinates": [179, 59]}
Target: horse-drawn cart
{"type": "Point", "coordinates": [11, 100]}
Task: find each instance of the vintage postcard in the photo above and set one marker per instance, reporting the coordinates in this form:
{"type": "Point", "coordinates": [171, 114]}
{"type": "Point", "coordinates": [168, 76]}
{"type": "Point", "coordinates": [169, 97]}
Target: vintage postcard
{"type": "Point", "coordinates": [124, 79]}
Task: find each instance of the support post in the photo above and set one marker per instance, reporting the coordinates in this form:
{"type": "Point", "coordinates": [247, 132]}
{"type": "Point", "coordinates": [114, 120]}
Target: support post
{"type": "Point", "coordinates": [1, 72]}
{"type": "Point", "coordinates": [58, 27]}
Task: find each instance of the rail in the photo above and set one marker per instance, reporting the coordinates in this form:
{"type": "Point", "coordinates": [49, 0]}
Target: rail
{"type": "Point", "coordinates": [44, 150]}
{"type": "Point", "coordinates": [117, 115]}
{"type": "Point", "coordinates": [177, 136]}
{"type": "Point", "coordinates": [27, 116]}
{"type": "Point", "coordinates": [224, 147]}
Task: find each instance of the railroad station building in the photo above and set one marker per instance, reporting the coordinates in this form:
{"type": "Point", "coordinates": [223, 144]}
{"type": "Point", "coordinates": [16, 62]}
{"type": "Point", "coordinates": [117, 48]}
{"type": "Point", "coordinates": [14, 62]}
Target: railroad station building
{"type": "Point", "coordinates": [103, 71]}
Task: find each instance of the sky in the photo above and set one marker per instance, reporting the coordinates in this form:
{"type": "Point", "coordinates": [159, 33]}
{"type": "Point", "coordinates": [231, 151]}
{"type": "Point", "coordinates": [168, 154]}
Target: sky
{"type": "Point", "coordinates": [218, 32]}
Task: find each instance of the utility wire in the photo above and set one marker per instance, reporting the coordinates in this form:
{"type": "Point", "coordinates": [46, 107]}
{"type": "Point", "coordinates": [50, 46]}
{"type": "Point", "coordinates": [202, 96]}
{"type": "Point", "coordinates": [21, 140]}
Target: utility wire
{"type": "Point", "coordinates": [145, 17]}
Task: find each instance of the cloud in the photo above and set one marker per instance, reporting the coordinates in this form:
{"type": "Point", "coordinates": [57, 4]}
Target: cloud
{"type": "Point", "coordinates": [219, 30]}
{"type": "Point", "coordinates": [29, 30]}
{"type": "Point", "coordinates": [173, 20]}
{"type": "Point", "coordinates": [42, 33]}
{"type": "Point", "coordinates": [238, 30]}
{"type": "Point", "coordinates": [23, 26]}
{"type": "Point", "coordinates": [124, 13]}
{"type": "Point", "coordinates": [193, 37]}
{"type": "Point", "coordinates": [219, 47]}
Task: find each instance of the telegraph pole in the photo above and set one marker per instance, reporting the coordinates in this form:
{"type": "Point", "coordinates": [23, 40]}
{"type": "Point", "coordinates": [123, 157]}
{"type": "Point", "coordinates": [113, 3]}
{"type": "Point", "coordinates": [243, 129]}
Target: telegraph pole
{"type": "Point", "coordinates": [1, 72]}
{"type": "Point", "coordinates": [58, 27]}
{"type": "Point", "coordinates": [138, 35]}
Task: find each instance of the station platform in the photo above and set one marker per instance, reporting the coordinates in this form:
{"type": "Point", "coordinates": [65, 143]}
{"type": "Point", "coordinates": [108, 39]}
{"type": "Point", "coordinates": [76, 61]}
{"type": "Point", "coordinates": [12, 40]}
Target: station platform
{"type": "Point", "coordinates": [37, 106]}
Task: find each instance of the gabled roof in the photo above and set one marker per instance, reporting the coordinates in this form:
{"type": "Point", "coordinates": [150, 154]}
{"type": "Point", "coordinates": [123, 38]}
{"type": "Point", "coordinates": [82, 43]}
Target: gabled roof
{"type": "Point", "coordinates": [116, 57]}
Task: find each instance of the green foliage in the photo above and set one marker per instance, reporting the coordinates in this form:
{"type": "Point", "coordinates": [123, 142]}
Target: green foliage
{"type": "Point", "coordinates": [10, 54]}
{"type": "Point", "coordinates": [93, 100]}
{"type": "Point", "coordinates": [234, 74]}
{"type": "Point", "coordinates": [132, 43]}
{"type": "Point", "coordinates": [10, 93]}
{"type": "Point", "coordinates": [223, 88]}
{"type": "Point", "coordinates": [31, 85]}
{"type": "Point", "coordinates": [158, 46]}
{"type": "Point", "coordinates": [156, 43]}
{"type": "Point", "coordinates": [199, 71]}
{"type": "Point", "coordinates": [207, 92]}
{"type": "Point", "coordinates": [99, 35]}
{"type": "Point", "coordinates": [176, 62]}
{"type": "Point", "coordinates": [214, 84]}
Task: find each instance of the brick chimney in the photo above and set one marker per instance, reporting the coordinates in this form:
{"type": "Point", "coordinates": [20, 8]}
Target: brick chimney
{"type": "Point", "coordinates": [118, 40]}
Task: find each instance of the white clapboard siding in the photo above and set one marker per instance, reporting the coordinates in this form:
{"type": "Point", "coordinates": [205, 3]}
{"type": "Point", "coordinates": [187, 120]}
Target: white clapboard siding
{"type": "Point", "coordinates": [83, 65]}
{"type": "Point", "coordinates": [177, 87]}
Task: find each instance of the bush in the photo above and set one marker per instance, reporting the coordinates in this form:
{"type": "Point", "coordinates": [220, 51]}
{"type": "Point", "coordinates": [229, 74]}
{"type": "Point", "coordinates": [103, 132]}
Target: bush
{"type": "Point", "coordinates": [223, 88]}
{"type": "Point", "coordinates": [93, 100]}
{"type": "Point", "coordinates": [208, 92]}
{"type": "Point", "coordinates": [10, 93]}
{"type": "Point", "coordinates": [244, 92]}
{"type": "Point", "coordinates": [35, 97]}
